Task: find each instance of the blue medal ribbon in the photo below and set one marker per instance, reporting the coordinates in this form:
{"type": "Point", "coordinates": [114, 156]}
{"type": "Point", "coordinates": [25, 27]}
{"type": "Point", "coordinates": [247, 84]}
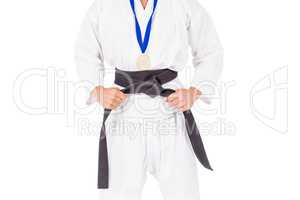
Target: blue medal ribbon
{"type": "Point", "coordinates": [143, 44]}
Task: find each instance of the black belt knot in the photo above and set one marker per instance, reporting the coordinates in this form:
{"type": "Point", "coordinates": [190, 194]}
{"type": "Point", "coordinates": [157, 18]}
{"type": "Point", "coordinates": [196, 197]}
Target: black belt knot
{"type": "Point", "coordinates": [149, 83]}
{"type": "Point", "coordinates": [146, 82]}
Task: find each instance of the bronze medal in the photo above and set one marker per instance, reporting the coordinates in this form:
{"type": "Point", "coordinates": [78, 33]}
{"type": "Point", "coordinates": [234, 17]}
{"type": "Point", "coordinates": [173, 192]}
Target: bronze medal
{"type": "Point", "coordinates": [143, 62]}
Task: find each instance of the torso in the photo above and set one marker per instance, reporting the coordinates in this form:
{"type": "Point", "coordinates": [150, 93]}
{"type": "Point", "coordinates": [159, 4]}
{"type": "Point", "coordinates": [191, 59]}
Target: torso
{"type": "Point", "coordinates": [168, 44]}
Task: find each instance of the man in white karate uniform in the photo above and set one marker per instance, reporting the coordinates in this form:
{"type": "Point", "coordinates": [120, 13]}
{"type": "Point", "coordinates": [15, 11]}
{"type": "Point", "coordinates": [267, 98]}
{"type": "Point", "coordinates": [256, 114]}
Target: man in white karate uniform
{"type": "Point", "coordinates": [146, 132]}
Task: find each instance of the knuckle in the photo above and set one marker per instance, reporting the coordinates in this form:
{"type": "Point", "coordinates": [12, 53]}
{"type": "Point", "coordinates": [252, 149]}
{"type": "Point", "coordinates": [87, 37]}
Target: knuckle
{"type": "Point", "coordinates": [114, 95]}
{"type": "Point", "coordinates": [111, 103]}
{"type": "Point", "coordinates": [107, 106]}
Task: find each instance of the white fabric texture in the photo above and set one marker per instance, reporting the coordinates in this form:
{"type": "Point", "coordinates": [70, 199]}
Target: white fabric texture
{"type": "Point", "coordinates": [108, 36]}
{"type": "Point", "coordinates": [145, 135]}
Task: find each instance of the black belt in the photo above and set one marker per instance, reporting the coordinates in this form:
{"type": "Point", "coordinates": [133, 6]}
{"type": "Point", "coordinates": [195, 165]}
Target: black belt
{"type": "Point", "coordinates": [149, 83]}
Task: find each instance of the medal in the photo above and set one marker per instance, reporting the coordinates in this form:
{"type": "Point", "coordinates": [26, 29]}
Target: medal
{"type": "Point", "coordinates": [143, 61]}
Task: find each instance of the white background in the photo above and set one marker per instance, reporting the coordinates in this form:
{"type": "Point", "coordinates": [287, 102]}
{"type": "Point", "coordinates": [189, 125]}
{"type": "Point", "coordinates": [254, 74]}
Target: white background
{"type": "Point", "coordinates": [45, 156]}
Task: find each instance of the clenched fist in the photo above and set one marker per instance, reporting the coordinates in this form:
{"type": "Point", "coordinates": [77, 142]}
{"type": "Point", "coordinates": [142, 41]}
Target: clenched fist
{"type": "Point", "coordinates": [183, 99]}
{"type": "Point", "coordinates": [109, 98]}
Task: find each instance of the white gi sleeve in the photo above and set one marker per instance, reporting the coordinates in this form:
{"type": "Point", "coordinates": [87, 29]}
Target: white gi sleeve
{"type": "Point", "coordinates": [206, 49]}
{"type": "Point", "coordinates": [88, 52]}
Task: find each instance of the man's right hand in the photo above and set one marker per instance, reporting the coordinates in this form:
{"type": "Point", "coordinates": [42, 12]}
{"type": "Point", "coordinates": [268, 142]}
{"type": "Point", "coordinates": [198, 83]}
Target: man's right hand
{"type": "Point", "coordinates": [109, 98]}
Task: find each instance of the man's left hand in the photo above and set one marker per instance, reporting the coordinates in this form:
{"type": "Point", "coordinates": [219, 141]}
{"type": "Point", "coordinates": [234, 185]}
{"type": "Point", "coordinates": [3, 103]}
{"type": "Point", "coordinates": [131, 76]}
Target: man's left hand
{"type": "Point", "coordinates": [183, 99]}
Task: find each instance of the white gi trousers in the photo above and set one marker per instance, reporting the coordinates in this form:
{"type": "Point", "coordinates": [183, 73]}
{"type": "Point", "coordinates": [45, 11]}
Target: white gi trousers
{"type": "Point", "coordinates": [145, 135]}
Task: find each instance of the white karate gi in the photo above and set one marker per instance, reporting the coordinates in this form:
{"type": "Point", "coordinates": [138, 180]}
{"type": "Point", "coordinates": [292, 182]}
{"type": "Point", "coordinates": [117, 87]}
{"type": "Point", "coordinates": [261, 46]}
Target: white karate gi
{"type": "Point", "coordinates": [108, 35]}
